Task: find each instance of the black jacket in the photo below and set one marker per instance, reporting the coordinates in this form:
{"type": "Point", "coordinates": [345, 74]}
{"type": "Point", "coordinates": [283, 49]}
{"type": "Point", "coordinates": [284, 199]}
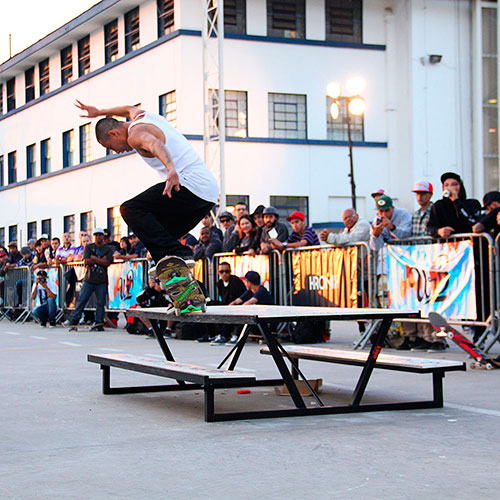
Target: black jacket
{"type": "Point", "coordinates": [233, 291]}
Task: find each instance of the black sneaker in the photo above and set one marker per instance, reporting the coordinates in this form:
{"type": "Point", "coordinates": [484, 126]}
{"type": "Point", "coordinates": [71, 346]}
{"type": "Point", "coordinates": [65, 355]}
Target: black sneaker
{"type": "Point", "coordinates": [406, 345]}
{"type": "Point", "coordinates": [52, 324]}
{"type": "Point", "coordinates": [219, 340]}
{"type": "Point", "coordinates": [205, 338]}
{"type": "Point", "coordinates": [421, 345]}
{"type": "Point", "coordinates": [437, 347]}
{"type": "Point", "coordinates": [232, 341]}
{"type": "Point", "coordinates": [43, 324]}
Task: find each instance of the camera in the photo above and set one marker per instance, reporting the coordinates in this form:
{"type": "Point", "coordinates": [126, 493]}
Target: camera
{"type": "Point", "coordinates": [378, 220]}
{"type": "Point", "coordinates": [42, 279]}
{"type": "Point", "coordinates": [446, 193]}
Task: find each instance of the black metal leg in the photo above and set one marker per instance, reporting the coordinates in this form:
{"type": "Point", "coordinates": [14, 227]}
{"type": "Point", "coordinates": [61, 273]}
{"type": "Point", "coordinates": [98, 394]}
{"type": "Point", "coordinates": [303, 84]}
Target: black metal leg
{"type": "Point", "coordinates": [272, 343]}
{"type": "Point", "coordinates": [295, 367]}
{"type": "Point", "coordinates": [106, 379]}
{"type": "Point", "coordinates": [371, 360]}
{"type": "Point", "coordinates": [161, 340]}
{"type": "Point", "coordinates": [209, 393]}
{"type": "Point", "coordinates": [437, 387]}
{"type": "Point", "coordinates": [236, 349]}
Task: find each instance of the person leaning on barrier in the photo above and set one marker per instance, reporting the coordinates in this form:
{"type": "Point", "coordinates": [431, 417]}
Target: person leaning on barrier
{"type": "Point", "coordinates": [208, 245]}
{"type": "Point", "coordinates": [423, 193]}
{"type": "Point", "coordinates": [248, 236]}
{"type": "Point", "coordinates": [55, 243]}
{"type": "Point", "coordinates": [39, 260]}
{"type": "Point", "coordinates": [31, 244]}
{"type": "Point", "coordinates": [97, 257]}
{"type": "Point", "coordinates": [258, 216]}
{"type": "Point", "coordinates": [110, 242]}
{"type": "Point", "coordinates": [390, 223]}
{"type": "Point", "coordinates": [302, 235]}
{"type": "Point", "coordinates": [27, 257]}
{"type": "Point", "coordinates": [46, 291]}
{"type": "Point", "coordinates": [272, 229]}
{"type": "Point", "coordinates": [65, 250]}
{"type": "Point", "coordinates": [488, 223]}
{"type": "Point", "coordinates": [227, 222]}
{"type": "Point", "coordinates": [240, 209]}
{"type": "Point", "coordinates": [356, 229]}
{"type": "Point", "coordinates": [77, 251]}
{"type": "Point", "coordinates": [14, 256]}
{"type": "Point", "coordinates": [454, 213]}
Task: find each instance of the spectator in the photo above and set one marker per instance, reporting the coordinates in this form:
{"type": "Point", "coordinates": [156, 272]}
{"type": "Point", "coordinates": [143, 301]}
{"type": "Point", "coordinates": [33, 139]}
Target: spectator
{"type": "Point", "coordinates": [229, 289]}
{"type": "Point", "coordinates": [77, 251]}
{"type": "Point", "coordinates": [110, 242]}
{"type": "Point", "coordinates": [31, 244]}
{"type": "Point", "coordinates": [379, 192]}
{"type": "Point", "coordinates": [137, 248]}
{"type": "Point", "coordinates": [488, 223]}
{"type": "Point", "coordinates": [208, 222]}
{"type": "Point", "coordinates": [255, 293]}
{"type": "Point", "coordinates": [45, 241]}
{"type": "Point", "coordinates": [208, 245]}
{"type": "Point", "coordinates": [272, 229]}
{"type": "Point", "coordinates": [248, 236]}
{"type": "Point", "coordinates": [228, 225]}
{"type": "Point", "coordinates": [46, 290]}
{"type": "Point", "coordinates": [97, 257]}
{"type": "Point", "coordinates": [27, 257]}
{"type": "Point", "coordinates": [65, 250]}
{"type": "Point", "coordinates": [423, 193]}
{"type": "Point", "coordinates": [14, 256]}
{"type": "Point", "coordinates": [454, 213]}
{"type": "Point", "coordinates": [390, 223]}
{"type": "Point", "coordinates": [39, 260]}
{"type": "Point", "coordinates": [302, 235]}
{"type": "Point", "coordinates": [258, 216]}
{"type": "Point", "coordinates": [55, 243]}
{"type": "Point", "coordinates": [4, 257]}
{"type": "Point", "coordinates": [240, 209]}
{"type": "Point", "coordinates": [356, 229]}
{"type": "Point", "coordinates": [125, 247]}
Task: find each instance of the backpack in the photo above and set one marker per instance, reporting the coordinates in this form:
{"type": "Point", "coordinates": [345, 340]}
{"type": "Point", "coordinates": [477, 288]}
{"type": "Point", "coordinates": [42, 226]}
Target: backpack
{"type": "Point", "coordinates": [311, 331]}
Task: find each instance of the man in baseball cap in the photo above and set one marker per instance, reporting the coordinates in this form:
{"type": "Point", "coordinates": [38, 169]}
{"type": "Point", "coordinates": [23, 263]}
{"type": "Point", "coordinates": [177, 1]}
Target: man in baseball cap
{"type": "Point", "coordinates": [377, 193]}
{"type": "Point", "coordinates": [272, 229]}
{"type": "Point", "coordinates": [302, 235]}
{"type": "Point", "coordinates": [255, 293]}
{"type": "Point", "coordinates": [423, 193]}
{"type": "Point", "coordinates": [489, 223]}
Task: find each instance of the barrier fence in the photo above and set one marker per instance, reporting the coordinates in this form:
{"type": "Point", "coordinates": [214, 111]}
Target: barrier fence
{"type": "Point", "coordinates": [458, 277]}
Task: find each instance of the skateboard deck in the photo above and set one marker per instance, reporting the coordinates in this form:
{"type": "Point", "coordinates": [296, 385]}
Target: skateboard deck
{"type": "Point", "coordinates": [180, 285]}
{"type": "Point", "coordinates": [481, 359]}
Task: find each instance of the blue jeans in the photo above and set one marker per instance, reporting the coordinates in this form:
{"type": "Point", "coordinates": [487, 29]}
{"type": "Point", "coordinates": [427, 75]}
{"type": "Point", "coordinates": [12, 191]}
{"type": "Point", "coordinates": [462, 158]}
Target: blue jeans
{"type": "Point", "coordinates": [101, 294]}
{"type": "Point", "coordinates": [46, 312]}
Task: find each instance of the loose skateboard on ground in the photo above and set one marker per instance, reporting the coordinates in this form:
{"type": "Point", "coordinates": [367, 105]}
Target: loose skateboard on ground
{"type": "Point", "coordinates": [180, 285]}
{"type": "Point", "coordinates": [446, 330]}
{"type": "Point", "coordinates": [96, 327]}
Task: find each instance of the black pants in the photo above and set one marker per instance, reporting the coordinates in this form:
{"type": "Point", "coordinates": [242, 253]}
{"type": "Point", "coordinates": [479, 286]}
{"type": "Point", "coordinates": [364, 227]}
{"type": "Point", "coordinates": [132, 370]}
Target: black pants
{"type": "Point", "coordinates": [159, 221]}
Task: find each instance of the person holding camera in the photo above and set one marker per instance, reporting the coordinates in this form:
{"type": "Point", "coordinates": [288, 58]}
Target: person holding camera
{"type": "Point", "coordinates": [46, 291]}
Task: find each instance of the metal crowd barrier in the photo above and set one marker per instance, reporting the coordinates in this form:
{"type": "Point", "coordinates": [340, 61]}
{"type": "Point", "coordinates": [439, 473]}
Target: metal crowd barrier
{"type": "Point", "coordinates": [17, 284]}
{"type": "Point", "coordinates": [496, 310]}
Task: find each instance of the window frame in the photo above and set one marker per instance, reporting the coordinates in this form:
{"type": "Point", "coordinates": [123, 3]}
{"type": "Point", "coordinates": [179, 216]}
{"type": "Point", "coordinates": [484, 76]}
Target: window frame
{"type": "Point", "coordinates": [357, 21]}
{"type": "Point", "coordinates": [1, 170]}
{"type": "Point", "coordinates": [66, 56]}
{"type": "Point", "coordinates": [165, 9]}
{"type": "Point", "coordinates": [278, 16]}
{"type": "Point", "coordinates": [12, 169]}
{"type": "Point", "coordinates": [29, 84]}
{"type": "Point", "coordinates": [31, 161]}
{"type": "Point", "coordinates": [285, 208]}
{"type": "Point", "coordinates": [11, 93]}
{"type": "Point", "coordinates": [132, 32]}
{"type": "Point", "coordinates": [85, 142]}
{"type": "Point", "coordinates": [45, 223]}
{"type": "Point", "coordinates": [336, 130]}
{"type": "Point", "coordinates": [44, 77]}
{"type": "Point", "coordinates": [84, 56]}
{"type": "Point", "coordinates": [45, 156]}
{"type": "Point", "coordinates": [275, 117]}
{"type": "Point", "coordinates": [68, 138]}
{"type": "Point", "coordinates": [111, 41]}
{"type": "Point", "coordinates": [29, 230]}
{"type": "Point", "coordinates": [163, 107]}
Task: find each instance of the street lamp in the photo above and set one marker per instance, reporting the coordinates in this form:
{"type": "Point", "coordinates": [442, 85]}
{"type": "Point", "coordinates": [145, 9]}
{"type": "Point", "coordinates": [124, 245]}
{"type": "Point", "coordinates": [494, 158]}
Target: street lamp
{"type": "Point", "coordinates": [355, 105]}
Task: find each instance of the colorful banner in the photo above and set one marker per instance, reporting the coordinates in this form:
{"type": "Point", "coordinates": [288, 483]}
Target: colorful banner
{"type": "Point", "coordinates": [436, 277]}
{"type": "Point", "coordinates": [126, 280]}
{"type": "Point", "coordinates": [241, 264]}
{"type": "Point", "coordinates": [326, 277]}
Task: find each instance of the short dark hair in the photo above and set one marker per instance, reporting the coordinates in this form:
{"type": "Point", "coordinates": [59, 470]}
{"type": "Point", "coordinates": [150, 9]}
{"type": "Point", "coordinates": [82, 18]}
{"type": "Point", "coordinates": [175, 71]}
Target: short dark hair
{"type": "Point", "coordinates": [103, 127]}
{"type": "Point", "coordinates": [56, 239]}
{"type": "Point", "coordinates": [241, 203]}
{"type": "Point", "coordinates": [225, 264]}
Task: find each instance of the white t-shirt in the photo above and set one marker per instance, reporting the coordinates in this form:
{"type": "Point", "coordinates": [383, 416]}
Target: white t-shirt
{"type": "Point", "coordinates": [42, 293]}
{"type": "Point", "coordinates": [192, 171]}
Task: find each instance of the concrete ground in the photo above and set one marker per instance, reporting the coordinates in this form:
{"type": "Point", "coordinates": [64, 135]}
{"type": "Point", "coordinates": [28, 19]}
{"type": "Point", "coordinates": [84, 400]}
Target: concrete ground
{"type": "Point", "coordinates": [62, 439]}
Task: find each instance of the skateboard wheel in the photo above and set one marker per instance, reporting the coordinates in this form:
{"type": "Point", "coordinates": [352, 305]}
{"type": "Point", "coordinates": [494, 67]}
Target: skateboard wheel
{"type": "Point", "coordinates": [203, 308]}
{"type": "Point", "coordinates": [489, 366]}
{"type": "Point", "coordinates": [450, 335]}
{"type": "Point", "coordinates": [177, 312]}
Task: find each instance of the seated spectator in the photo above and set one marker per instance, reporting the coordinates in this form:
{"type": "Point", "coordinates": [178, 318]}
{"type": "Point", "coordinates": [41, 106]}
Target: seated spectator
{"type": "Point", "coordinates": [108, 241]}
{"type": "Point", "coordinates": [390, 223]}
{"type": "Point", "coordinates": [258, 215]}
{"type": "Point", "coordinates": [125, 247]}
{"type": "Point", "coordinates": [14, 256]}
{"type": "Point", "coordinates": [208, 245]}
{"type": "Point", "coordinates": [248, 236]}
{"type": "Point", "coordinates": [356, 229]}
{"type": "Point", "coordinates": [255, 293]}
{"type": "Point", "coordinates": [77, 251]}
{"type": "Point", "coordinates": [454, 213]}
{"type": "Point", "coordinates": [137, 248]}
{"type": "Point", "coordinates": [208, 222]}
{"type": "Point", "coordinates": [240, 209]}
{"type": "Point", "coordinates": [65, 250]}
{"type": "Point", "coordinates": [423, 193]}
{"type": "Point", "coordinates": [228, 225]}
{"type": "Point", "coordinates": [39, 260]}
{"type": "Point", "coordinates": [302, 235]}
{"type": "Point", "coordinates": [272, 229]}
{"type": "Point", "coordinates": [46, 290]}
{"type": "Point", "coordinates": [55, 243]}
{"type": "Point", "coordinates": [488, 222]}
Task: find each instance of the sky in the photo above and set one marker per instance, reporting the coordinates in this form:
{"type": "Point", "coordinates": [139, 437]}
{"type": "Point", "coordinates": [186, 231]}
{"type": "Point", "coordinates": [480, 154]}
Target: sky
{"type": "Point", "coordinates": [30, 20]}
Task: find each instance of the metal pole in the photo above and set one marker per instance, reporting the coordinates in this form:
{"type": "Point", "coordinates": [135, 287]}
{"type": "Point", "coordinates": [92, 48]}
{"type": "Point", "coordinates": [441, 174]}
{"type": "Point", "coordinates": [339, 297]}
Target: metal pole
{"type": "Point", "coordinates": [351, 173]}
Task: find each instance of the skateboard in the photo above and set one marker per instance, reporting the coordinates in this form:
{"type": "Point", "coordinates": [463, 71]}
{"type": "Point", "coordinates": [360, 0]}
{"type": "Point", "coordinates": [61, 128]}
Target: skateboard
{"type": "Point", "coordinates": [96, 327]}
{"type": "Point", "coordinates": [481, 360]}
{"type": "Point", "coordinates": [180, 285]}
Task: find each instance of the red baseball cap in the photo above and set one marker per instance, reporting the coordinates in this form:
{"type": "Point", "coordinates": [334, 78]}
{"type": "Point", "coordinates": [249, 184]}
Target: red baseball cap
{"type": "Point", "coordinates": [296, 215]}
{"type": "Point", "coordinates": [422, 187]}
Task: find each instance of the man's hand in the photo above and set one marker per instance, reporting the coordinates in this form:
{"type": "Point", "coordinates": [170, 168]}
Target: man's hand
{"type": "Point", "coordinates": [276, 244]}
{"type": "Point", "coordinates": [478, 228]}
{"type": "Point", "coordinates": [171, 183]}
{"type": "Point", "coordinates": [454, 190]}
{"type": "Point", "coordinates": [323, 236]}
{"type": "Point", "coordinates": [92, 112]}
{"type": "Point", "coordinates": [444, 232]}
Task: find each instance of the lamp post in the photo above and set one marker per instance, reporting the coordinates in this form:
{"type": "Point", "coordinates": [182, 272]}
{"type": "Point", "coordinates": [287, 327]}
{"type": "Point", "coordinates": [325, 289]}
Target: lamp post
{"type": "Point", "coordinates": [355, 105]}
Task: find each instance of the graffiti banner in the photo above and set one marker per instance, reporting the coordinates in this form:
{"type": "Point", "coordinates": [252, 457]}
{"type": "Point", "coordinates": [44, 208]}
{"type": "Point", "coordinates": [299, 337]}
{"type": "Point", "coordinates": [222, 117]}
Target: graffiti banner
{"type": "Point", "coordinates": [326, 277]}
{"type": "Point", "coordinates": [433, 277]}
{"type": "Point", "coordinates": [241, 264]}
{"type": "Point", "coordinates": [126, 280]}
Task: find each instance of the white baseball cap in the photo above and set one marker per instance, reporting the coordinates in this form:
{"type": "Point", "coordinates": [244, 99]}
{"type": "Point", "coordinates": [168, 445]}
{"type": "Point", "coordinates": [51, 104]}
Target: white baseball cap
{"type": "Point", "coordinates": [98, 230]}
{"type": "Point", "coordinates": [422, 187]}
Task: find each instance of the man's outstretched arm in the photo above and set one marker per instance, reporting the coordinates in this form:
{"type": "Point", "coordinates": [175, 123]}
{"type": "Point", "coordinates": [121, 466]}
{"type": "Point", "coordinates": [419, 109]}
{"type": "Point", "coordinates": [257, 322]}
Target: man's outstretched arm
{"type": "Point", "coordinates": [93, 112]}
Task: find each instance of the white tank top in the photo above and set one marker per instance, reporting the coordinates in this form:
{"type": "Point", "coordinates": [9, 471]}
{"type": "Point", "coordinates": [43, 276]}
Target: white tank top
{"type": "Point", "coordinates": [192, 171]}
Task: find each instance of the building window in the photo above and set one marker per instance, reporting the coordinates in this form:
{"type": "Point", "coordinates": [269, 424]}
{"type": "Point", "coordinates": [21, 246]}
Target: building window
{"type": "Point", "coordinates": [29, 84]}
{"type": "Point", "coordinates": [87, 222]}
{"type": "Point", "coordinates": [30, 161]}
{"type": "Point", "coordinates": [1, 171]}
{"type": "Point", "coordinates": [47, 227]}
{"type": "Point", "coordinates": [66, 65]}
{"type": "Point", "coordinates": [286, 18]}
{"type": "Point", "coordinates": [115, 223]}
{"type": "Point", "coordinates": [11, 94]}
{"type": "Point", "coordinates": [168, 107]}
{"type": "Point", "coordinates": [236, 113]}
{"type": "Point", "coordinates": [288, 204]}
{"type": "Point", "coordinates": [111, 41]}
{"type": "Point", "coordinates": [85, 143]}
{"type": "Point", "coordinates": [235, 16]}
{"type": "Point", "coordinates": [31, 230]}
{"type": "Point", "coordinates": [287, 116]}
{"type": "Point", "coordinates": [2, 236]}
{"type": "Point", "coordinates": [1, 99]}
{"type": "Point", "coordinates": [132, 30]}
{"type": "Point", "coordinates": [336, 130]}
{"type": "Point", "coordinates": [12, 160]}
{"type": "Point", "coordinates": [12, 233]}
{"type": "Point", "coordinates": [343, 20]}
{"type": "Point", "coordinates": [69, 225]}
{"type": "Point", "coordinates": [68, 148]}
{"type": "Point", "coordinates": [165, 10]}
{"type": "Point", "coordinates": [43, 70]}
{"type": "Point", "coordinates": [84, 56]}
{"type": "Point", "coordinates": [45, 156]}
{"type": "Point", "coordinates": [233, 199]}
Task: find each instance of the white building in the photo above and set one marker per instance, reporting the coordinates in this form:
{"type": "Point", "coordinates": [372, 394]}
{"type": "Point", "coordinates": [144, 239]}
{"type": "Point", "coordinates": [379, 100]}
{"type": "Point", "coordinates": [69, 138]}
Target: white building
{"type": "Point", "coordinates": [424, 115]}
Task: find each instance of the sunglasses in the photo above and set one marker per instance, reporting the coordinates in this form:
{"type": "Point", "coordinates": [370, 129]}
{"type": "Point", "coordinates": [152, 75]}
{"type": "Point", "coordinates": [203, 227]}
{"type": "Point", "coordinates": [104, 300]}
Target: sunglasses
{"type": "Point", "coordinates": [224, 271]}
{"type": "Point", "coordinates": [225, 220]}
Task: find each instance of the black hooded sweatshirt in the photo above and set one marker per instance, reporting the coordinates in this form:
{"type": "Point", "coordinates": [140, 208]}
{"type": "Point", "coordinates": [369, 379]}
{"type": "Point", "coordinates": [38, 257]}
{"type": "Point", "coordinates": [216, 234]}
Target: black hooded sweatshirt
{"type": "Point", "coordinates": [460, 214]}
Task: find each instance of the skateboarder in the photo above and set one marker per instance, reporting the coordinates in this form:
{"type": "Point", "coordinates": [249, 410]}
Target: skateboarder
{"type": "Point", "coordinates": [166, 211]}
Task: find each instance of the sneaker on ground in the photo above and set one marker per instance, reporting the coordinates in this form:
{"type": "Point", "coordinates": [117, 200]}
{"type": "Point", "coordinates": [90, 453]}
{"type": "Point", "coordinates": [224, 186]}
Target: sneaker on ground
{"type": "Point", "coordinates": [67, 323]}
{"type": "Point", "coordinates": [168, 332]}
{"type": "Point", "coordinates": [233, 340]}
{"type": "Point", "coordinates": [437, 347]}
{"type": "Point", "coordinates": [72, 328]}
{"type": "Point", "coordinates": [52, 324]}
{"type": "Point", "coordinates": [219, 340]}
{"type": "Point", "coordinates": [205, 338]}
{"type": "Point", "coordinates": [43, 324]}
{"type": "Point", "coordinates": [421, 345]}
{"type": "Point", "coordinates": [406, 345]}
